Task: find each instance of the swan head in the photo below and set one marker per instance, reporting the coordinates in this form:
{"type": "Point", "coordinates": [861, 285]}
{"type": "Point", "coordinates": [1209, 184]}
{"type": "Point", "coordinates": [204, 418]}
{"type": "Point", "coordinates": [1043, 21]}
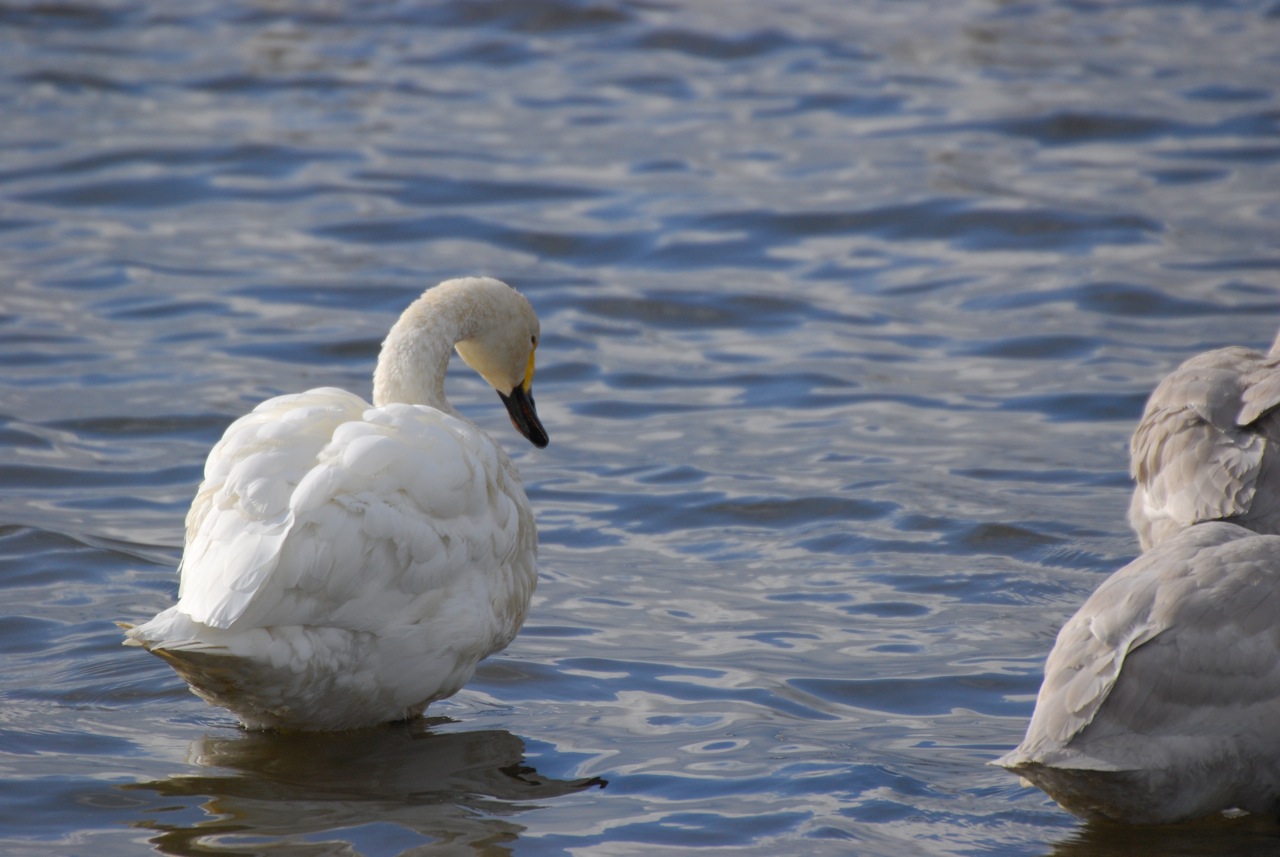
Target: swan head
{"type": "Point", "coordinates": [494, 330]}
{"type": "Point", "coordinates": [501, 349]}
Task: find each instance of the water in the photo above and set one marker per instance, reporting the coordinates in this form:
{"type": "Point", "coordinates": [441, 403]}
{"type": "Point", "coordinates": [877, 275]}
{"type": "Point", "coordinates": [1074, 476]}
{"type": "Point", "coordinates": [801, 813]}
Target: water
{"type": "Point", "coordinates": [848, 310]}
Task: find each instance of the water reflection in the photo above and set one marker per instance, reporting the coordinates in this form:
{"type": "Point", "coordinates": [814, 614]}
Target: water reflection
{"type": "Point", "coordinates": [1242, 837]}
{"type": "Point", "coordinates": [385, 790]}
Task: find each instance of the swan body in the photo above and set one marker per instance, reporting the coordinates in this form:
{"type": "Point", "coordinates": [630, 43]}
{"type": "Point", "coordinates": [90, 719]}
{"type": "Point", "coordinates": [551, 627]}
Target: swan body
{"type": "Point", "coordinates": [1208, 446]}
{"type": "Point", "coordinates": [346, 564]}
{"type": "Point", "coordinates": [1161, 697]}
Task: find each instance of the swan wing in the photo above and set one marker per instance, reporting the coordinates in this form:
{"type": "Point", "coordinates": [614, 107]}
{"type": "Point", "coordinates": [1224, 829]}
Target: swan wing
{"type": "Point", "coordinates": [1214, 674]}
{"type": "Point", "coordinates": [410, 516]}
{"type": "Point", "coordinates": [1182, 642]}
{"type": "Point", "coordinates": [241, 515]}
{"type": "Point", "coordinates": [403, 516]}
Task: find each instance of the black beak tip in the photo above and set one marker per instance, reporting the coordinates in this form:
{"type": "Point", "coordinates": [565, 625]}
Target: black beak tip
{"type": "Point", "coordinates": [525, 417]}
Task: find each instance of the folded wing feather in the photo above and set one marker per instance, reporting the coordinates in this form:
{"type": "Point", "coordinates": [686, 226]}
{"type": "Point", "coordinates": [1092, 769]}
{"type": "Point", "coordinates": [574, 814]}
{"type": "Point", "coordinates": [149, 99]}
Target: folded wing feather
{"type": "Point", "coordinates": [284, 517]}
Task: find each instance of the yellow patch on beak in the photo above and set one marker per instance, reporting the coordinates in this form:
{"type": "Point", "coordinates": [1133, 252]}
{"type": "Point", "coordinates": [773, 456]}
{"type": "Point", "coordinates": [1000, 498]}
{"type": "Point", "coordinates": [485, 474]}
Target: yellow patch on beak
{"type": "Point", "coordinates": [528, 373]}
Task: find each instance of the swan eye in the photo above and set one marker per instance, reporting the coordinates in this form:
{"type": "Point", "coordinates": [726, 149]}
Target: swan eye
{"type": "Point", "coordinates": [534, 341]}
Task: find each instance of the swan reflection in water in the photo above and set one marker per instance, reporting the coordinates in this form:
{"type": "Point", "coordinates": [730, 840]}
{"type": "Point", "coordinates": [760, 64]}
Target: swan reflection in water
{"type": "Point", "coordinates": [388, 789]}
{"type": "Point", "coordinates": [1247, 836]}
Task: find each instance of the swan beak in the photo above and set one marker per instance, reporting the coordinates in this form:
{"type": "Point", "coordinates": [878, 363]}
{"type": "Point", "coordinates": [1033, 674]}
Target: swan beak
{"type": "Point", "coordinates": [524, 416]}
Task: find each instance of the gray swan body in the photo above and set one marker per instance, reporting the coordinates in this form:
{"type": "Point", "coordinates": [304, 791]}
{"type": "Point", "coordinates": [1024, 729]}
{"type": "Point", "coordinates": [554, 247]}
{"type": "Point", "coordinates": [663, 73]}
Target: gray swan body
{"type": "Point", "coordinates": [1161, 697]}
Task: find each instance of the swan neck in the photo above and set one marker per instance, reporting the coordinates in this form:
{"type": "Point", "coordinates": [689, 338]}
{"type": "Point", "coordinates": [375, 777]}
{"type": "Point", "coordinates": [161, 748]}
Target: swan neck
{"type": "Point", "coordinates": [415, 355]}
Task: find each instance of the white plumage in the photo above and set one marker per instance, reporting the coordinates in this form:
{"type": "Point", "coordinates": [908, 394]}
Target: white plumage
{"type": "Point", "coordinates": [1161, 697]}
{"type": "Point", "coordinates": [1208, 446]}
{"type": "Point", "coordinates": [346, 564]}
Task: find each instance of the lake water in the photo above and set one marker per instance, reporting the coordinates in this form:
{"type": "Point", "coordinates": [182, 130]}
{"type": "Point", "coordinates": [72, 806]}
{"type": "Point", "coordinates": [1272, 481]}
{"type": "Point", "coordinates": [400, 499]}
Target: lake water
{"type": "Point", "coordinates": [848, 312]}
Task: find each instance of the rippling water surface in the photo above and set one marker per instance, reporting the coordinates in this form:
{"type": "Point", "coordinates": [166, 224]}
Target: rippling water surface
{"type": "Point", "coordinates": [848, 310]}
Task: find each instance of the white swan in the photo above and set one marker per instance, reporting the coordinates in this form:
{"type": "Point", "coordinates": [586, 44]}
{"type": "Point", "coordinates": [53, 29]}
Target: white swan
{"type": "Point", "coordinates": [347, 564]}
{"type": "Point", "coordinates": [1161, 697]}
{"type": "Point", "coordinates": [1208, 446]}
